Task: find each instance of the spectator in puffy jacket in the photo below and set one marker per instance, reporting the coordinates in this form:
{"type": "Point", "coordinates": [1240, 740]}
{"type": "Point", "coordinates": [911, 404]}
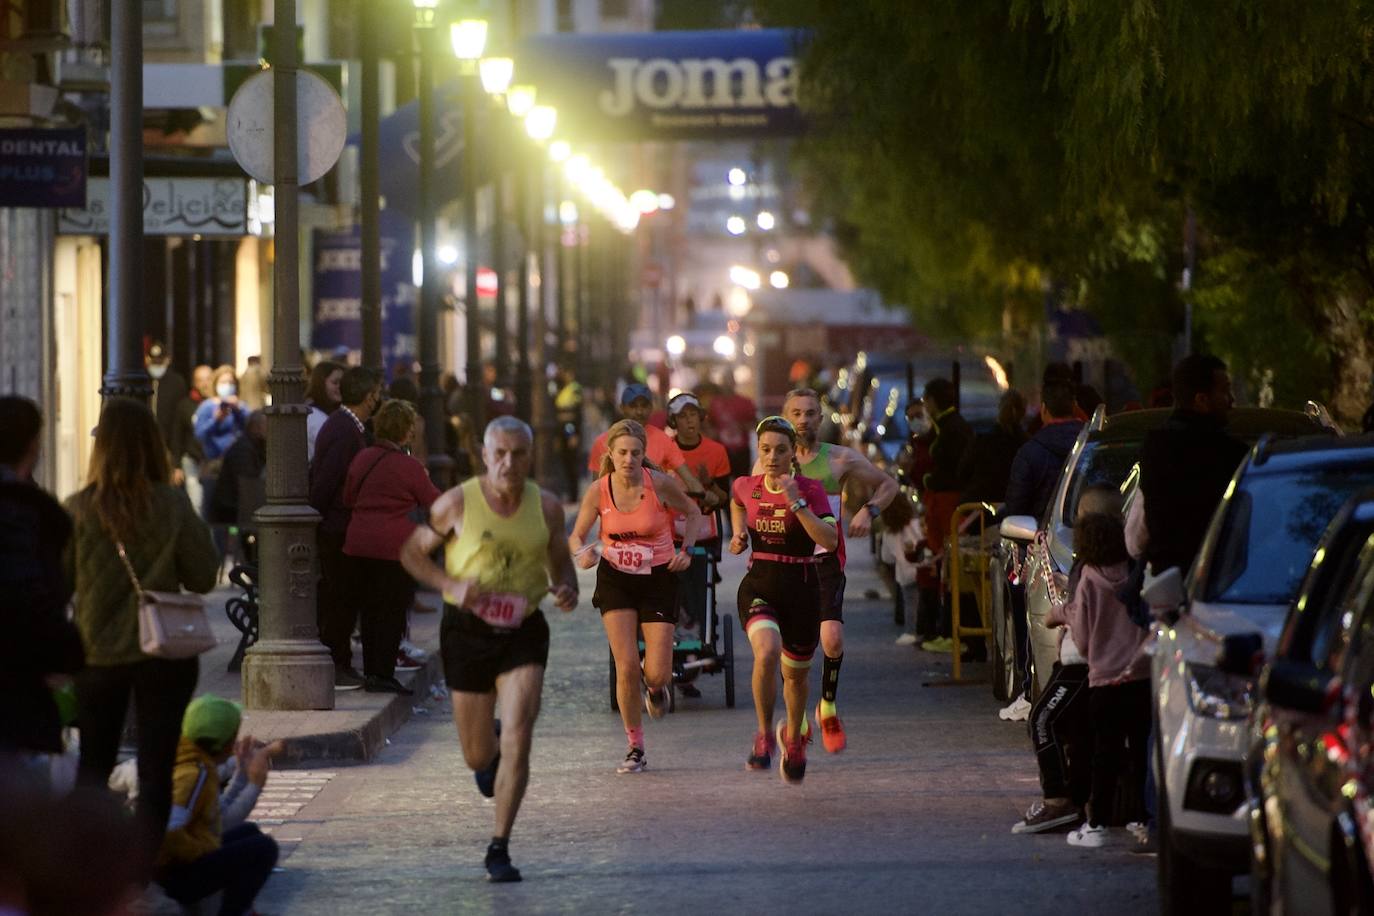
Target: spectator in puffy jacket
{"type": "Point", "coordinates": [1035, 470]}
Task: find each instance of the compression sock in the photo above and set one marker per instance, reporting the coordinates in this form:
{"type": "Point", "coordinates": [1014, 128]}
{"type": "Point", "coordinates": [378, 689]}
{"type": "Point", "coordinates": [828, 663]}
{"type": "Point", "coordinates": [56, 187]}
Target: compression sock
{"type": "Point", "coordinates": [830, 682]}
{"type": "Point", "coordinates": [499, 843]}
{"type": "Point", "coordinates": [635, 736]}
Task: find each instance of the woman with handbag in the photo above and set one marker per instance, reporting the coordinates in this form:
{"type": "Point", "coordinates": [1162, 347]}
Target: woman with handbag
{"type": "Point", "coordinates": [385, 487]}
{"type": "Point", "coordinates": [133, 531]}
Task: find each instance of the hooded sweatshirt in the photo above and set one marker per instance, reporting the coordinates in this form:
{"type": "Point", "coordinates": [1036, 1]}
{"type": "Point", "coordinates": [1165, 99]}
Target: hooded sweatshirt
{"type": "Point", "coordinates": [1036, 467]}
{"type": "Point", "coordinates": [200, 811]}
{"type": "Point", "coordinates": [1102, 629]}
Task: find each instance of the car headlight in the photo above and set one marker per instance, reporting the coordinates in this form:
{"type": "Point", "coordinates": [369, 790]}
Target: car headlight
{"type": "Point", "coordinates": [1218, 695]}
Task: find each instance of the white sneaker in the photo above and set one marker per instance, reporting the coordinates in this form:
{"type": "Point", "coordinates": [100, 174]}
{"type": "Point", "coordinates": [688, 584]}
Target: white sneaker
{"type": "Point", "coordinates": [1088, 836]}
{"type": "Point", "coordinates": [1018, 710]}
{"type": "Point", "coordinates": [414, 651]}
{"type": "Point", "coordinates": [906, 639]}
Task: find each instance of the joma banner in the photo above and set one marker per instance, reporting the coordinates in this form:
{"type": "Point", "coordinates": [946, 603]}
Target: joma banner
{"type": "Point", "coordinates": [666, 85]}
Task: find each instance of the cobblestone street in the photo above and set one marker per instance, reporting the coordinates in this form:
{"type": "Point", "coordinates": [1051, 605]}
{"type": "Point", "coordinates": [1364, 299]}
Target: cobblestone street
{"type": "Point", "coordinates": [913, 817]}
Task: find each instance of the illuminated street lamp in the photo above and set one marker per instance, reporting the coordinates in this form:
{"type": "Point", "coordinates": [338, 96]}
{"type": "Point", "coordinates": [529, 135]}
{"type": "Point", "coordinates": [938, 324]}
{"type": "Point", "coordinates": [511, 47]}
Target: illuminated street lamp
{"type": "Point", "coordinates": [520, 100]}
{"type": "Point", "coordinates": [496, 73]}
{"type": "Point", "coordinates": [766, 220]}
{"type": "Point", "coordinates": [778, 280]}
{"type": "Point", "coordinates": [560, 150]}
{"type": "Point", "coordinates": [469, 36]}
{"type": "Point", "coordinates": [540, 122]}
{"type": "Point", "coordinates": [735, 225]}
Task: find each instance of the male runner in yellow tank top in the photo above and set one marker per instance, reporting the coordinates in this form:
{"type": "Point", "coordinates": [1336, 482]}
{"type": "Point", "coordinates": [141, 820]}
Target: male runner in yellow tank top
{"type": "Point", "coordinates": [505, 541]}
{"type": "Point", "coordinates": [835, 466]}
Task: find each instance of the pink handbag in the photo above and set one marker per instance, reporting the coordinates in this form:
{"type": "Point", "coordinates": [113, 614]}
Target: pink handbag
{"type": "Point", "coordinates": [170, 624]}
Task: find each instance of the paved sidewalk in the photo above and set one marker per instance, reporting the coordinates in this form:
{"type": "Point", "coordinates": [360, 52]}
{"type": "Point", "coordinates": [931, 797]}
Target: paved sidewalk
{"type": "Point", "coordinates": [359, 725]}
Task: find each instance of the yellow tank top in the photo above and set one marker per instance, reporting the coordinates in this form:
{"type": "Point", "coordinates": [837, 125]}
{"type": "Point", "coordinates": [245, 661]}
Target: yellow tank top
{"type": "Point", "coordinates": [504, 555]}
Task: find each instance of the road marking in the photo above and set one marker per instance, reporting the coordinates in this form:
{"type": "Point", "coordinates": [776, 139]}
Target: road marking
{"type": "Point", "coordinates": [283, 796]}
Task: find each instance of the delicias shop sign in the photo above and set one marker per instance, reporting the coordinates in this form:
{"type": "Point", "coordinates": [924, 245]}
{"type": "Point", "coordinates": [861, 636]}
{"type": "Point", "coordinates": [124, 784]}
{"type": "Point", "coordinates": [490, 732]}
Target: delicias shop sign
{"type": "Point", "coordinates": [667, 85]}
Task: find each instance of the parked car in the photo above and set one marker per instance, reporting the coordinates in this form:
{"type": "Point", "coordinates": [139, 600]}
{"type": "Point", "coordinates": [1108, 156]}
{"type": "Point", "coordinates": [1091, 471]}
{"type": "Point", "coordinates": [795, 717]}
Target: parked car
{"type": "Point", "coordinates": [1106, 452]}
{"type": "Point", "coordinates": [1253, 559]}
{"type": "Point", "coordinates": [1309, 838]}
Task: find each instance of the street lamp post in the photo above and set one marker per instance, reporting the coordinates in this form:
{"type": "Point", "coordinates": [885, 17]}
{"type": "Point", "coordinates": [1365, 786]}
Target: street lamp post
{"type": "Point", "coordinates": [287, 668]}
{"type": "Point", "coordinates": [124, 372]}
{"type": "Point", "coordinates": [469, 40]}
{"type": "Point", "coordinates": [496, 73]}
{"type": "Point", "coordinates": [431, 397]}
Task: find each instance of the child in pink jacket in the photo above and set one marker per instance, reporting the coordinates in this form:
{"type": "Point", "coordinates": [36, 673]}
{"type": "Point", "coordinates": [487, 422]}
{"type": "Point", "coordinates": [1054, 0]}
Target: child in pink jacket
{"type": "Point", "coordinates": [1118, 670]}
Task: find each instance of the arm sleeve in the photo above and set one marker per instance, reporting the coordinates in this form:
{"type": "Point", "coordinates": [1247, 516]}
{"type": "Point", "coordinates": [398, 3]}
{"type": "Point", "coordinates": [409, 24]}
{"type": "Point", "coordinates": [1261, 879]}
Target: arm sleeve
{"type": "Point", "coordinates": [422, 488]}
{"type": "Point", "coordinates": [672, 457]}
{"type": "Point", "coordinates": [738, 491]}
{"type": "Point", "coordinates": [197, 559]}
{"type": "Point", "coordinates": [1137, 535]}
{"type": "Point", "coordinates": [1019, 486]}
{"type": "Point", "coordinates": [236, 802]}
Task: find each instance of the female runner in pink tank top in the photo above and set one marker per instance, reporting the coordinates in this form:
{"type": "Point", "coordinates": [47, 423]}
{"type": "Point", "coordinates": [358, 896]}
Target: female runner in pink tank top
{"type": "Point", "coordinates": [636, 581]}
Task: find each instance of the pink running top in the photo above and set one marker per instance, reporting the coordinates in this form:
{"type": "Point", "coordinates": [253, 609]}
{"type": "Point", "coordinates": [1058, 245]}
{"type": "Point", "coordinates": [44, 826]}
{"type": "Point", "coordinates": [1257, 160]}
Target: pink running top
{"type": "Point", "coordinates": [629, 539]}
{"type": "Point", "coordinates": [775, 529]}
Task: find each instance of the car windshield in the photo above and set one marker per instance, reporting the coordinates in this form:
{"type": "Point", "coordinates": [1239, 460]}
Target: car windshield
{"type": "Point", "coordinates": [1099, 463]}
{"type": "Point", "coordinates": [1271, 529]}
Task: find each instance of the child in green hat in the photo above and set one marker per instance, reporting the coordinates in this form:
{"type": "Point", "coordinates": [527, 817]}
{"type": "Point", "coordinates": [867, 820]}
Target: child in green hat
{"type": "Point", "coordinates": [210, 845]}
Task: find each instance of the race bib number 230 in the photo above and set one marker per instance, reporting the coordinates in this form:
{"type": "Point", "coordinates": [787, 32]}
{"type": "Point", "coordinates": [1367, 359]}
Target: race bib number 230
{"type": "Point", "coordinates": [504, 611]}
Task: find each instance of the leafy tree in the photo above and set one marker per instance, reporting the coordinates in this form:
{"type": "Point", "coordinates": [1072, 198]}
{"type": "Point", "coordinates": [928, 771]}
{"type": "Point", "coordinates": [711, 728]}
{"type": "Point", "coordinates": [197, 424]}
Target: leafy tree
{"type": "Point", "coordinates": [973, 154]}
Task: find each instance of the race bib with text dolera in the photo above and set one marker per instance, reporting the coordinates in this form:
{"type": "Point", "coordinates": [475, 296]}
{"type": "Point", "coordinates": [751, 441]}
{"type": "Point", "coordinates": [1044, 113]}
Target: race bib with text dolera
{"type": "Point", "coordinates": [636, 559]}
{"type": "Point", "coordinates": [500, 610]}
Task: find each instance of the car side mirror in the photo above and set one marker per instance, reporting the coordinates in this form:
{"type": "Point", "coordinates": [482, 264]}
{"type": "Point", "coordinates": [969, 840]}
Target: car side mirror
{"type": "Point", "coordinates": [1241, 654]}
{"type": "Point", "coordinates": [1164, 591]}
{"type": "Point", "coordinates": [1297, 687]}
{"type": "Point", "coordinates": [1018, 528]}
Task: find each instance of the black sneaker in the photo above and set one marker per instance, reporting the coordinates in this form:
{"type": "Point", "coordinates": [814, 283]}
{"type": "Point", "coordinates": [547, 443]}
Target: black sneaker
{"type": "Point", "coordinates": [634, 761]}
{"type": "Point", "coordinates": [377, 684]}
{"type": "Point", "coordinates": [486, 777]}
{"type": "Point", "coordinates": [499, 869]}
{"type": "Point", "coordinates": [689, 690]}
{"type": "Point", "coordinates": [347, 679]}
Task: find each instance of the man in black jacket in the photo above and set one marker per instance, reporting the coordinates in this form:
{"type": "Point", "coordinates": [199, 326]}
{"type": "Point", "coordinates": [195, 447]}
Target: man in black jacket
{"type": "Point", "coordinates": [1185, 467]}
{"type": "Point", "coordinates": [39, 641]}
{"type": "Point", "coordinates": [341, 438]}
{"type": "Point", "coordinates": [1035, 469]}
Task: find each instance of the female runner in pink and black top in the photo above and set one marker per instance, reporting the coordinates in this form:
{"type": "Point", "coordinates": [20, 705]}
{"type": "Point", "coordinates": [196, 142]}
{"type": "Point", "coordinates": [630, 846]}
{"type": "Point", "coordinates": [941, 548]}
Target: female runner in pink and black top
{"type": "Point", "coordinates": [783, 517]}
{"type": "Point", "coordinates": [636, 581]}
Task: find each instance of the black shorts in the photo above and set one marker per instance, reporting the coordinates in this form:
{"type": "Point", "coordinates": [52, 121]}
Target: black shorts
{"type": "Point", "coordinates": [832, 587]}
{"type": "Point", "coordinates": [475, 653]}
{"type": "Point", "coordinates": [654, 596]}
{"type": "Point", "coordinates": [789, 595]}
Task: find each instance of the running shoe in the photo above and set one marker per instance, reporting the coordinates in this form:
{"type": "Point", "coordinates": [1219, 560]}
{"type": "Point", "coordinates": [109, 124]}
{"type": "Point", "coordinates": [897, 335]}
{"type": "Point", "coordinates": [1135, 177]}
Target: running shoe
{"type": "Point", "coordinates": [407, 662]}
{"type": "Point", "coordinates": [1018, 710]}
{"type": "Point", "coordinates": [1043, 815]}
{"type": "Point", "coordinates": [832, 732]}
{"type": "Point", "coordinates": [486, 777]}
{"type": "Point", "coordinates": [414, 651]}
{"type": "Point", "coordinates": [689, 690]}
{"type": "Point", "coordinates": [938, 644]}
{"type": "Point", "coordinates": [1088, 836]}
{"type": "Point", "coordinates": [791, 755]}
{"type": "Point", "coordinates": [634, 761]}
{"type": "Point", "coordinates": [499, 869]}
{"type": "Point", "coordinates": [347, 679]}
{"type": "Point", "coordinates": [656, 701]}
{"type": "Point", "coordinates": [761, 757]}
{"type": "Point", "coordinates": [906, 639]}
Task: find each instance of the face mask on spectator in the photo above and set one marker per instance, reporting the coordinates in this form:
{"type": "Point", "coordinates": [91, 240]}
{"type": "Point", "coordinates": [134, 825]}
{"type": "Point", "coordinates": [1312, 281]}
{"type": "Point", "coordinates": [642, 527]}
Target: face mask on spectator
{"type": "Point", "coordinates": [156, 370]}
{"type": "Point", "coordinates": [226, 389]}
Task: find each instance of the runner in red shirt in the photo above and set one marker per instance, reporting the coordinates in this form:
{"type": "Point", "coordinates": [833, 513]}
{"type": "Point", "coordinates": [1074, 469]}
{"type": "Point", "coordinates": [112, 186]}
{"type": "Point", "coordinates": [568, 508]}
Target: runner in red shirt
{"type": "Point", "coordinates": [732, 416]}
{"type": "Point", "coordinates": [784, 517]}
{"type": "Point", "coordinates": [636, 588]}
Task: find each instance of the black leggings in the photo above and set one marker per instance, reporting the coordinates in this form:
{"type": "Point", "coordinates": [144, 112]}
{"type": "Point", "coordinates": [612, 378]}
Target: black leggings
{"type": "Point", "coordinates": [1121, 733]}
{"type": "Point", "coordinates": [1059, 730]}
{"type": "Point", "coordinates": [240, 867]}
{"type": "Point", "coordinates": [161, 690]}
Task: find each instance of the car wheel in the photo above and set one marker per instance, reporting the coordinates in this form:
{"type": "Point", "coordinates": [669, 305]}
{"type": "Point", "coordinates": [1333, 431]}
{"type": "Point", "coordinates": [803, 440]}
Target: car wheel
{"type": "Point", "coordinates": [1351, 888]}
{"type": "Point", "coordinates": [1185, 886]}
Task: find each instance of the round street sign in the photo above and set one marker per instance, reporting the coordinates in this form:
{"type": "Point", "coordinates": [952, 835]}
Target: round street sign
{"type": "Point", "coordinates": [320, 123]}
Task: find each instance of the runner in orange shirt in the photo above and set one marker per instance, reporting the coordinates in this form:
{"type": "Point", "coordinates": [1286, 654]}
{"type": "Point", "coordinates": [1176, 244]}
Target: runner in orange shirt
{"type": "Point", "coordinates": [636, 403]}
